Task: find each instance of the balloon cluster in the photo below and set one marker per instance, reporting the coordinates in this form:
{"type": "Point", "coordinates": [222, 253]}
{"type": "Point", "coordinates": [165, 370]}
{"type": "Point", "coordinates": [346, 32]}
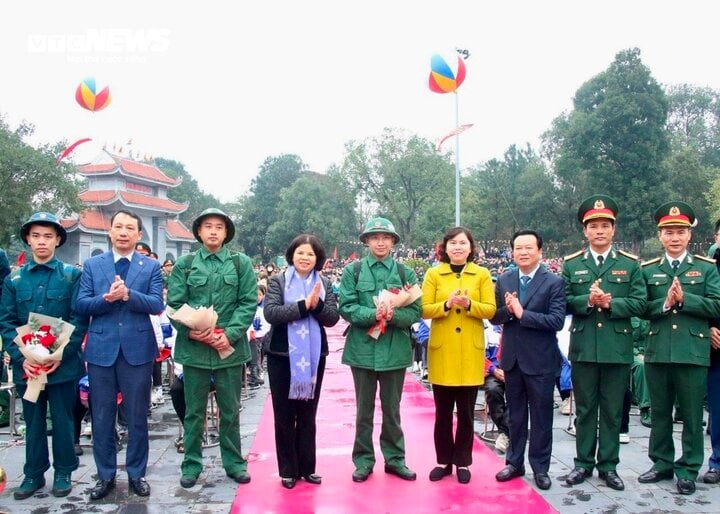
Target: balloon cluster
{"type": "Point", "coordinates": [3, 479]}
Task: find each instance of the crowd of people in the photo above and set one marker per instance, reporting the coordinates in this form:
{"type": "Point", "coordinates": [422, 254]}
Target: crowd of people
{"type": "Point", "coordinates": [630, 325]}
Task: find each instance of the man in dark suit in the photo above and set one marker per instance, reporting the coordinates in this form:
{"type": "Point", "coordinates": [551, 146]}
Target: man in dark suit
{"type": "Point", "coordinates": [120, 289]}
{"type": "Point", "coordinates": [531, 308]}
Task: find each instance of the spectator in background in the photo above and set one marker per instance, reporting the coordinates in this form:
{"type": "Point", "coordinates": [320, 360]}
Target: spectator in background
{"type": "Point", "coordinates": [257, 331]}
{"type": "Point", "coordinates": [495, 394]}
{"type": "Point", "coordinates": [4, 398]}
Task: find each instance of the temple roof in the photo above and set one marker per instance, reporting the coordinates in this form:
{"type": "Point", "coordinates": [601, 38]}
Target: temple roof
{"type": "Point", "coordinates": [176, 230]}
{"type": "Point", "coordinates": [130, 199]}
{"type": "Point", "coordinates": [129, 168]}
{"type": "Point", "coordinates": [90, 220]}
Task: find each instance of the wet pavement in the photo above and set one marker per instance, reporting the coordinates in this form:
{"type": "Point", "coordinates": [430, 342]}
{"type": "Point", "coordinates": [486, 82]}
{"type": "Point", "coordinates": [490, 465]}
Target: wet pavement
{"type": "Point", "coordinates": [216, 491]}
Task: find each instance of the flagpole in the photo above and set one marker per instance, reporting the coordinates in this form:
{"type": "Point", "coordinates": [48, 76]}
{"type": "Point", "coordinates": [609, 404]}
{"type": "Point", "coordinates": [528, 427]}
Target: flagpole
{"type": "Point", "coordinates": [457, 160]}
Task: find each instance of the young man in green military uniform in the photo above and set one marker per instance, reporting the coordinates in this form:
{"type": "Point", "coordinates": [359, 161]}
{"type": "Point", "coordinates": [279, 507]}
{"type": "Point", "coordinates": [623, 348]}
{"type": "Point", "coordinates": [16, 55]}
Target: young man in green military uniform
{"type": "Point", "coordinates": [604, 289]}
{"type": "Point", "coordinates": [382, 361]}
{"type": "Point", "coordinates": [683, 297]}
{"type": "Point", "coordinates": [213, 276]}
{"type": "Point", "coordinates": [46, 286]}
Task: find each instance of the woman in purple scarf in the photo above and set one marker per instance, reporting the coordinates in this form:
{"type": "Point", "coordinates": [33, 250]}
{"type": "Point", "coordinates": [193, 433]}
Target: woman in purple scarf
{"type": "Point", "coordinates": [299, 305]}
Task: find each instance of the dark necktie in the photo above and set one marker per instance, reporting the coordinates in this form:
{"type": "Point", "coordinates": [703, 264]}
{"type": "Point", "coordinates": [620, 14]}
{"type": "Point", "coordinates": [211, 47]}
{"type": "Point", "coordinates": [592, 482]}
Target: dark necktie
{"type": "Point", "coordinates": [600, 261]}
{"type": "Point", "coordinates": [121, 267]}
{"type": "Point", "coordinates": [675, 265]}
{"type": "Point", "coordinates": [523, 286]}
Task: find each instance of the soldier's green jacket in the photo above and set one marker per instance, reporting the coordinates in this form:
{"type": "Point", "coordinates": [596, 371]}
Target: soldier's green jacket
{"type": "Point", "coordinates": [207, 279]}
{"type": "Point", "coordinates": [597, 334]}
{"type": "Point", "coordinates": [393, 349]}
{"type": "Point", "coordinates": [49, 289]}
{"type": "Point", "coordinates": [681, 335]}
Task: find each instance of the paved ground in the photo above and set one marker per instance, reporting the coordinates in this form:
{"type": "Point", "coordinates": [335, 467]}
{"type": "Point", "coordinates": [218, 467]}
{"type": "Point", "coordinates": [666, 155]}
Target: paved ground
{"type": "Point", "coordinates": [217, 491]}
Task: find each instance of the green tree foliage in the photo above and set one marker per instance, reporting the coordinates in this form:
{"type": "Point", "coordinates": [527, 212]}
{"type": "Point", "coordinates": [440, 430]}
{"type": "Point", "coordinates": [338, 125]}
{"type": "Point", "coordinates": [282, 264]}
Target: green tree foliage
{"type": "Point", "coordinates": [402, 175]}
{"type": "Point", "coordinates": [32, 181]}
{"type": "Point", "coordinates": [614, 141]}
{"type": "Point", "coordinates": [187, 192]}
{"type": "Point", "coordinates": [259, 210]}
{"type": "Point", "coordinates": [694, 121]}
{"type": "Point", "coordinates": [315, 204]}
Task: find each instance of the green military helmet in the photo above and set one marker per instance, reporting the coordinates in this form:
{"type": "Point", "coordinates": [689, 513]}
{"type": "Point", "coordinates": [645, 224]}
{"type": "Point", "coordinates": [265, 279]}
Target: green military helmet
{"type": "Point", "coordinates": [675, 213]}
{"type": "Point", "coordinates": [212, 211]}
{"type": "Point", "coordinates": [46, 219]}
{"type": "Point", "coordinates": [597, 206]}
{"type": "Point", "coordinates": [379, 226]}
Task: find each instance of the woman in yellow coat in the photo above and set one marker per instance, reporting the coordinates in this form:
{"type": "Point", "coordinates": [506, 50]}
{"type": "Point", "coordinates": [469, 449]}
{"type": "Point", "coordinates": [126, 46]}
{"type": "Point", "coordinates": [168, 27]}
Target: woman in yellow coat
{"type": "Point", "coordinates": [457, 295]}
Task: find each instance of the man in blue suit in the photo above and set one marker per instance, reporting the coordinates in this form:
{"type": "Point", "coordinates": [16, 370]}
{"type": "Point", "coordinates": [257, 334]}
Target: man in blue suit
{"type": "Point", "coordinates": [120, 289]}
{"type": "Point", "coordinates": [531, 308]}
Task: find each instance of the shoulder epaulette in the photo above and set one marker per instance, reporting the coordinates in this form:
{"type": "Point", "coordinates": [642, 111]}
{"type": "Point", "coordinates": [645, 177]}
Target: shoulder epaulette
{"type": "Point", "coordinates": [628, 255]}
{"type": "Point", "coordinates": [652, 261]}
{"type": "Point", "coordinates": [573, 255]}
{"type": "Point", "coordinates": [706, 259]}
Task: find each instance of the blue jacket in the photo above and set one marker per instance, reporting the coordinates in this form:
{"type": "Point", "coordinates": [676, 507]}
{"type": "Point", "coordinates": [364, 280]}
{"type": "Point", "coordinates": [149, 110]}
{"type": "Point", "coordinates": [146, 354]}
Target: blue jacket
{"type": "Point", "coordinates": [120, 324]}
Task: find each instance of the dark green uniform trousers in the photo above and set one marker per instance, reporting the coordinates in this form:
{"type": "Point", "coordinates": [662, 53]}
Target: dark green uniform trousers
{"type": "Point", "coordinates": [62, 398]}
{"type": "Point", "coordinates": [227, 390]}
{"type": "Point", "coordinates": [599, 389]}
{"type": "Point", "coordinates": [688, 382]}
{"type": "Point", "coordinates": [392, 440]}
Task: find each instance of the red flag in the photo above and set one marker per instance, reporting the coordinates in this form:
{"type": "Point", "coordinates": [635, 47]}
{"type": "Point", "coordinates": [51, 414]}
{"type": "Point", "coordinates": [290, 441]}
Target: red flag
{"type": "Point", "coordinates": [453, 132]}
{"type": "Point", "coordinates": [352, 256]}
{"type": "Point", "coordinates": [21, 258]}
{"type": "Point", "coordinates": [335, 254]}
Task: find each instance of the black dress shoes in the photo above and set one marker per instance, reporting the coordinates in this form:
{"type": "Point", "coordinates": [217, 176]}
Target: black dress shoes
{"type": "Point", "coordinates": [139, 486]}
{"type": "Point", "coordinates": [712, 476]}
{"type": "Point", "coordinates": [463, 475]}
{"type": "Point", "coordinates": [685, 486]}
{"type": "Point", "coordinates": [652, 475]}
{"type": "Point", "coordinates": [542, 480]}
{"type": "Point", "coordinates": [102, 489]}
{"type": "Point", "coordinates": [312, 478]}
{"type": "Point", "coordinates": [612, 480]}
{"type": "Point", "coordinates": [188, 481]}
{"type": "Point", "coordinates": [401, 471]}
{"type": "Point", "coordinates": [578, 476]}
{"type": "Point", "coordinates": [509, 472]}
{"type": "Point", "coordinates": [440, 472]}
{"type": "Point", "coordinates": [288, 483]}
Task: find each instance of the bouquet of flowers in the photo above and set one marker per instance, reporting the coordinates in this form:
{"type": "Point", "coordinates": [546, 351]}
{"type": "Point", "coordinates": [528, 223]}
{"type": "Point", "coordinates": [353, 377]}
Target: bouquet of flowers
{"type": "Point", "coordinates": [392, 298]}
{"type": "Point", "coordinates": [42, 341]}
{"type": "Point", "coordinates": [200, 318]}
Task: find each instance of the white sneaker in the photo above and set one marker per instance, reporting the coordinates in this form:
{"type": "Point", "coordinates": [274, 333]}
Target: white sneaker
{"type": "Point", "coordinates": [565, 407]}
{"type": "Point", "coordinates": [571, 430]}
{"type": "Point", "coordinates": [156, 398]}
{"type": "Point", "coordinates": [624, 438]}
{"type": "Point", "coordinates": [415, 367]}
{"type": "Point", "coordinates": [501, 443]}
{"type": "Point", "coordinates": [87, 431]}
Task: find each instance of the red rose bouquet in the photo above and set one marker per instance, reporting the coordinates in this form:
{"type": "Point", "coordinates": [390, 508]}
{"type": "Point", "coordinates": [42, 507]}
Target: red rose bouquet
{"type": "Point", "coordinates": [392, 299]}
{"type": "Point", "coordinates": [42, 341]}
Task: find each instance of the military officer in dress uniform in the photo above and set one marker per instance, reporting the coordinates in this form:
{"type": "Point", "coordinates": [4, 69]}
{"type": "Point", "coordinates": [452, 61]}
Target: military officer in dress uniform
{"type": "Point", "coordinates": [683, 296]}
{"type": "Point", "coordinates": [604, 289]}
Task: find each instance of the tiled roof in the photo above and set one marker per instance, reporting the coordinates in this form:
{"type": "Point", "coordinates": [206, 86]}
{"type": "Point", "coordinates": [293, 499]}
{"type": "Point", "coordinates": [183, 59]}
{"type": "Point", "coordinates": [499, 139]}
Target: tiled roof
{"type": "Point", "coordinates": [90, 219]}
{"type": "Point", "coordinates": [176, 229]}
{"type": "Point", "coordinates": [129, 167]}
{"type": "Point", "coordinates": [106, 197]}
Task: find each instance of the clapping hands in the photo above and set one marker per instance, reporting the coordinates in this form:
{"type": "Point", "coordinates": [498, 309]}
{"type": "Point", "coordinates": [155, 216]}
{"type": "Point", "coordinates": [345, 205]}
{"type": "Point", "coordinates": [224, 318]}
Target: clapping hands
{"type": "Point", "coordinates": [598, 297]}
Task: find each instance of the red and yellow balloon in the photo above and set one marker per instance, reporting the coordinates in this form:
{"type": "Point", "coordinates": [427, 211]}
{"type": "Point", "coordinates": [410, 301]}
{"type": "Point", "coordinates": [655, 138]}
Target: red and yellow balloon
{"type": "Point", "coordinates": [443, 79]}
{"type": "Point", "coordinates": [88, 96]}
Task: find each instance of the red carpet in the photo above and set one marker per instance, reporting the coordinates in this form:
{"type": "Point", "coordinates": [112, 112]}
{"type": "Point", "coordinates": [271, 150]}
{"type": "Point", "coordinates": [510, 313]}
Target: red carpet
{"type": "Point", "coordinates": [381, 493]}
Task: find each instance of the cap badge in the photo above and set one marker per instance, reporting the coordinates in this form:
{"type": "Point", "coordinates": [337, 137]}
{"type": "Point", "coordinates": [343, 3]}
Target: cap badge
{"type": "Point", "coordinates": [599, 204]}
{"type": "Point", "coordinates": [674, 211]}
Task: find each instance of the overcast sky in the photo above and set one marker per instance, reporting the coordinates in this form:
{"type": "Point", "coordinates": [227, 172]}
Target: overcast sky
{"type": "Point", "coordinates": [222, 88]}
